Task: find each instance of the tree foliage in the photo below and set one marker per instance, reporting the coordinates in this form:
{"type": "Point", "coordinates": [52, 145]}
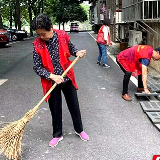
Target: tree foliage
{"type": "Point", "coordinates": [66, 10]}
{"type": "Point", "coordinates": [17, 12]}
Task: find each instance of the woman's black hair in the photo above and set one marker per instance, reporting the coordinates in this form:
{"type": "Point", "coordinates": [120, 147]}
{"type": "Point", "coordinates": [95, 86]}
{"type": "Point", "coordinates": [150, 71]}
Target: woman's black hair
{"type": "Point", "coordinates": [41, 21]}
{"type": "Point", "coordinates": [157, 49]}
{"type": "Point", "coordinates": [107, 22]}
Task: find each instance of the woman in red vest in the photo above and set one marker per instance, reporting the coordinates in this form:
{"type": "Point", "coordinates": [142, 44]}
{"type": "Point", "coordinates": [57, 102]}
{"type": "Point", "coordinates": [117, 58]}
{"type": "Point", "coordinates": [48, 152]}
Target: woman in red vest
{"type": "Point", "coordinates": [134, 61]}
{"type": "Point", "coordinates": [52, 49]}
{"type": "Point", "coordinates": [103, 39]}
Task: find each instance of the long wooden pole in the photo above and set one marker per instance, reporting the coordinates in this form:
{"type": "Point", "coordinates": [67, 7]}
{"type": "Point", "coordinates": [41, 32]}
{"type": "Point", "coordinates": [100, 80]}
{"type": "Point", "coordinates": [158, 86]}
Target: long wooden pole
{"type": "Point", "coordinates": [50, 90]}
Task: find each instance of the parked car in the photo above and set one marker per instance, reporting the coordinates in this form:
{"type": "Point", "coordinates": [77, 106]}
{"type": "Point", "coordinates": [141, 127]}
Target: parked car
{"type": "Point", "coordinates": [16, 34]}
{"type": "Point", "coordinates": [74, 27]}
{"type": "Point", "coordinates": [4, 37]}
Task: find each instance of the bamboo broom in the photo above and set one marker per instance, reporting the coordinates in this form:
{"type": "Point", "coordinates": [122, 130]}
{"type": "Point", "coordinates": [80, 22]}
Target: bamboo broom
{"type": "Point", "coordinates": [11, 135]}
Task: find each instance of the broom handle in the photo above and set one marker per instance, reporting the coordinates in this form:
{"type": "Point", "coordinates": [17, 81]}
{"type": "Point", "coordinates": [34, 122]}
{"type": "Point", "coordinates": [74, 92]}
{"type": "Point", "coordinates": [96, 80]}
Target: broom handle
{"type": "Point", "coordinates": [50, 90]}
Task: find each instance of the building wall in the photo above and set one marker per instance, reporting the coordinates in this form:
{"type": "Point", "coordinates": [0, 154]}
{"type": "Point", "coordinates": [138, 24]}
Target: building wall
{"type": "Point", "coordinates": [132, 10]}
{"type": "Point", "coordinates": [154, 41]}
{"type": "Point", "coordinates": [149, 12]}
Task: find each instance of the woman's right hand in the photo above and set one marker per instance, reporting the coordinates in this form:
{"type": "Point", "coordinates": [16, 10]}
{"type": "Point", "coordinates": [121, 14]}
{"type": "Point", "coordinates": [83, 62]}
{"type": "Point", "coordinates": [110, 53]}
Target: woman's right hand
{"type": "Point", "coordinates": [57, 78]}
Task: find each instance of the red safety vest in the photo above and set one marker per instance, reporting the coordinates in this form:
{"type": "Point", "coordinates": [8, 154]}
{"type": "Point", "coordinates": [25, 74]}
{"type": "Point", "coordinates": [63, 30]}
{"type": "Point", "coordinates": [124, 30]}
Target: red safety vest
{"type": "Point", "coordinates": [64, 54]}
{"type": "Point", "coordinates": [129, 58]}
{"type": "Point", "coordinates": [100, 36]}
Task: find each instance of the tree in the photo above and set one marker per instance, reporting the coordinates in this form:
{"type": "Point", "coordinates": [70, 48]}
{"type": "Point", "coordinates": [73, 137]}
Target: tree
{"type": "Point", "coordinates": [32, 6]}
{"type": "Point", "coordinates": [61, 11]}
{"type": "Point", "coordinates": [1, 13]}
{"type": "Point", "coordinates": [20, 9]}
{"type": "Point", "coordinates": [11, 9]}
{"type": "Point", "coordinates": [66, 10]}
{"type": "Point", "coordinates": [1, 23]}
{"type": "Point", "coordinates": [17, 15]}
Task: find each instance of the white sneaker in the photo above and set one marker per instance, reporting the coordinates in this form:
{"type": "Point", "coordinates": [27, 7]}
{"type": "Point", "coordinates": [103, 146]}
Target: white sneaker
{"type": "Point", "coordinates": [98, 63]}
{"type": "Point", "coordinates": [105, 66]}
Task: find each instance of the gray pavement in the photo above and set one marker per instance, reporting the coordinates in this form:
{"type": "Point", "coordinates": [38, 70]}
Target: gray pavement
{"type": "Point", "coordinates": [117, 129]}
{"type": "Point", "coordinates": [10, 55]}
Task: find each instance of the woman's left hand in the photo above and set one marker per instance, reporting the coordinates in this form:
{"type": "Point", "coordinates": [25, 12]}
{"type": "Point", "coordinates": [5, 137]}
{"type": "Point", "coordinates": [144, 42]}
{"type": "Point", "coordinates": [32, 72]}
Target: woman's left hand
{"type": "Point", "coordinates": [81, 53]}
{"type": "Point", "coordinates": [146, 90]}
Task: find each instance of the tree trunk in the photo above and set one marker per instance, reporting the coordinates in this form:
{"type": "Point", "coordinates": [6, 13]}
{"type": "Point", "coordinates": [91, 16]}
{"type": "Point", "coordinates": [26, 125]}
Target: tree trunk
{"type": "Point", "coordinates": [63, 25]}
{"type": "Point", "coordinates": [39, 8]}
{"type": "Point", "coordinates": [10, 20]}
{"type": "Point", "coordinates": [1, 23]}
{"type": "Point", "coordinates": [42, 4]}
{"type": "Point", "coordinates": [30, 19]}
{"type": "Point", "coordinates": [30, 8]}
{"type": "Point", "coordinates": [17, 15]}
{"type": "Point", "coordinates": [59, 25]}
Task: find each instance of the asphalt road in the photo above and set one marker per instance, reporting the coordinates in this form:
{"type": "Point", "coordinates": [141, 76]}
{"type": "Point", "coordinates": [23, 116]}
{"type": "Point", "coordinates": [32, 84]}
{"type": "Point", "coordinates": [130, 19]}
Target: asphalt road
{"type": "Point", "coordinates": [118, 130]}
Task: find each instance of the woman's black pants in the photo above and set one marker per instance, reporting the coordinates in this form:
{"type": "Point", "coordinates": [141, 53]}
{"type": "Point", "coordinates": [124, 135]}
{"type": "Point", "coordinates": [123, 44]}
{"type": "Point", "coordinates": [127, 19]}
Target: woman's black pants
{"type": "Point", "coordinates": [55, 105]}
{"type": "Point", "coordinates": [126, 80]}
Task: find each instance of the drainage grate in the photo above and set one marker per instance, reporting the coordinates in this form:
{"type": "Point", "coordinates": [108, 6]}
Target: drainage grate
{"type": "Point", "coordinates": [150, 106]}
{"type": "Point", "coordinates": [144, 94]}
{"type": "Point", "coordinates": [154, 116]}
{"type": "Point", "coordinates": [154, 87]}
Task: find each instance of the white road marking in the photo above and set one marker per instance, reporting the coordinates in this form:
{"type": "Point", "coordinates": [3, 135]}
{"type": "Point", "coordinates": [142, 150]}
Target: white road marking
{"type": "Point", "coordinates": [3, 81]}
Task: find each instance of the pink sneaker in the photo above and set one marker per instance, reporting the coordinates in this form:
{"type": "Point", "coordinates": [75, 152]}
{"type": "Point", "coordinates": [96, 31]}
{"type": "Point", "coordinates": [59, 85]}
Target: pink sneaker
{"type": "Point", "coordinates": [83, 135]}
{"type": "Point", "coordinates": [55, 141]}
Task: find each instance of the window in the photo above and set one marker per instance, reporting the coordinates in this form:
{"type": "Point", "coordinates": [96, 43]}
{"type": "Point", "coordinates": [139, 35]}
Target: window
{"type": "Point", "coordinates": [158, 9]}
{"type": "Point", "coordinates": [146, 10]}
{"type": "Point", "coordinates": [150, 9]}
{"type": "Point", "coordinates": [154, 9]}
{"type": "Point", "coordinates": [141, 9]}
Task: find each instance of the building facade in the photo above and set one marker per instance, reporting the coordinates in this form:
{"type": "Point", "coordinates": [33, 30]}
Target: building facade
{"type": "Point", "coordinates": [132, 21]}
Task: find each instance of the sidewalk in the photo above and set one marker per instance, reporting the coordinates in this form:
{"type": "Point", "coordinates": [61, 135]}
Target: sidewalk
{"type": "Point", "coordinates": [154, 75]}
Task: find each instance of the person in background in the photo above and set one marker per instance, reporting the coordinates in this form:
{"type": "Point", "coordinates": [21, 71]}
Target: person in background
{"type": "Point", "coordinates": [134, 61]}
{"type": "Point", "coordinates": [52, 49]}
{"type": "Point", "coordinates": [103, 40]}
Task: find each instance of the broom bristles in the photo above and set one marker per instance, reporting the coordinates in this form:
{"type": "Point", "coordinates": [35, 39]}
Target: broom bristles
{"type": "Point", "coordinates": [11, 136]}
